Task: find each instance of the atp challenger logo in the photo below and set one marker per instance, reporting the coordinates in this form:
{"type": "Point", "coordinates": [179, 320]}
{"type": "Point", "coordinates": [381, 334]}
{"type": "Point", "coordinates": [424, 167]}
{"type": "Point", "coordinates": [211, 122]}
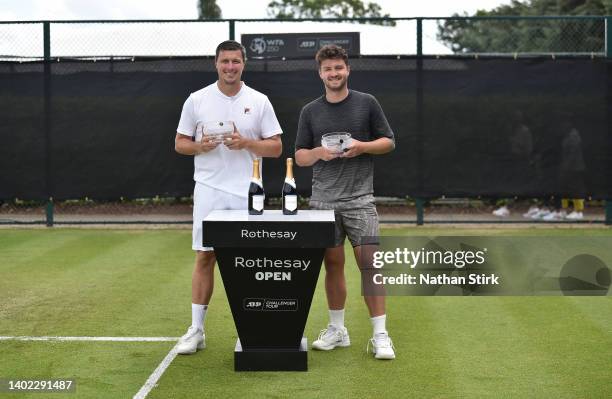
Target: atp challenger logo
{"type": "Point", "coordinates": [270, 304]}
{"type": "Point", "coordinates": [253, 303]}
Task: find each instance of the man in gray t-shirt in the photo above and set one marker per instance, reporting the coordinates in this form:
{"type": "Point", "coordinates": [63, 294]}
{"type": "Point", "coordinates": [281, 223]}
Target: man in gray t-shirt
{"type": "Point", "coordinates": [344, 182]}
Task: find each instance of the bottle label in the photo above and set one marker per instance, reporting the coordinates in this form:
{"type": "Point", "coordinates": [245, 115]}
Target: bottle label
{"type": "Point", "coordinates": [291, 202]}
{"type": "Point", "coordinates": [290, 182]}
{"type": "Point", "coordinates": [258, 202]}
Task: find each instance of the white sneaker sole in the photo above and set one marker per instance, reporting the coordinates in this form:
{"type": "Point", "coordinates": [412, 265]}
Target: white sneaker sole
{"type": "Point", "coordinates": [384, 357]}
{"type": "Point", "coordinates": [323, 347]}
{"type": "Point", "coordinates": [200, 346]}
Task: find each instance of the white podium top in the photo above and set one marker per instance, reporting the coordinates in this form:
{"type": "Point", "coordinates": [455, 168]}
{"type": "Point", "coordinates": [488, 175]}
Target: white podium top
{"type": "Point", "coordinates": [270, 216]}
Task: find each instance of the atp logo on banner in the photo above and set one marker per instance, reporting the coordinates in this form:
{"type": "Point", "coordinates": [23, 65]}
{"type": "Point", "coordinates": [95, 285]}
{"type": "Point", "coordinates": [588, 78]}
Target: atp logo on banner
{"type": "Point", "coordinates": [253, 303]}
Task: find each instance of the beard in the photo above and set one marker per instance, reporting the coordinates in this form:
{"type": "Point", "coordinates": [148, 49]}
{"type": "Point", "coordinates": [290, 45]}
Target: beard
{"type": "Point", "coordinates": [341, 86]}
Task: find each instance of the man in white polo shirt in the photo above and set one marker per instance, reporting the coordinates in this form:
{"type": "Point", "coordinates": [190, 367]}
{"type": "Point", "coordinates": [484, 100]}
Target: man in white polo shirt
{"type": "Point", "coordinates": [222, 170]}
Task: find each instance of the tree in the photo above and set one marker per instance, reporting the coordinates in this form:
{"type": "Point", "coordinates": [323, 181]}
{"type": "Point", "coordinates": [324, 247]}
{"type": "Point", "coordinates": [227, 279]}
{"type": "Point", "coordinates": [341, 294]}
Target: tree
{"type": "Point", "coordinates": [522, 35]}
{"type": "Point", "coordinates": [208, 9]}
{"type": "Point", "coordinates": [328, 8]}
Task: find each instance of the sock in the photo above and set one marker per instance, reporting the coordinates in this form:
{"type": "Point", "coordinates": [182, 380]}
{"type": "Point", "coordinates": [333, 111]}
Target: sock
{"type": "Point", "coordinates": [378, 323]}
{"type": "Point", "coordinates": [198, 313]}
{"type": "Point", "coordinates": [564, 203]}
{"type": "Point", "coordinates": [578, 205]}
{"type": "Point", "coordinates": [336, 318]}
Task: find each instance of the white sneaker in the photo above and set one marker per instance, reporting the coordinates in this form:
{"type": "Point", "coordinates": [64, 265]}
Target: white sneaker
{"type": "Point", "coordinates": [332, 337]}
{"type": "Point", "coordinates": [532, 211]}
{"type": "Point", "coordinates": [554, 216]}
{"type": "Point", "coordinates": [191, 342]}
{"type": "Point", "coordinates": [541, 214]}
{"type": "Point", "coordinates": [382, 346]}
{"type": "Point", "coordinates": [574, 216]}
{"type": "Point", "coordinates": [502, 212]}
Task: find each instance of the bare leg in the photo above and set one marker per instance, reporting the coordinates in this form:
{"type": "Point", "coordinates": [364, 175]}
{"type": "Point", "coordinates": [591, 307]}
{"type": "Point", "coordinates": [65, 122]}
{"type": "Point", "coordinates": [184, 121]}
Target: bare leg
{"type": "Point", "coordinates": [375, 304]}
{"type": "Point", "coordinates": [203, 277]}
{"type": "Point", "coordinates": [335, 283]}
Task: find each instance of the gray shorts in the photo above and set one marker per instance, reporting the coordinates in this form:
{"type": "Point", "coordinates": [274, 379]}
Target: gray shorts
{"type": "Point", "coordinates": [356, 218]}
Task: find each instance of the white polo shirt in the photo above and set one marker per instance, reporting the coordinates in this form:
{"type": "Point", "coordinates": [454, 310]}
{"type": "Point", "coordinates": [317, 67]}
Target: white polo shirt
{"type": "Point", "coordinates": [224, 169]}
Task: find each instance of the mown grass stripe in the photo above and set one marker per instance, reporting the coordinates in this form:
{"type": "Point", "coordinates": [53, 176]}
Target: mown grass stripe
{"type": "Point", "coordinates": [97, 282]}
{"type": "Point", "coordinates": [487, 349]}
{"type": "Point", "coordinates": [561, 338]}
{"type": "Point", "coordinates": [598, 310]}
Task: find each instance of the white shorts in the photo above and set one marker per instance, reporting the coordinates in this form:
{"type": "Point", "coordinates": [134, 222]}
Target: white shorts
{"type": "Point", "coordinates": [205, 200]}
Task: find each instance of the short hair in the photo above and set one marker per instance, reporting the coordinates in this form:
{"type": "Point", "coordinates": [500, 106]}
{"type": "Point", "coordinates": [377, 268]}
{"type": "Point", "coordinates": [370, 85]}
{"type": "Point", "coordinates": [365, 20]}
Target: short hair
{"type": "Point", "coordinates": [331, 52]}
{"type": "Point", "coordinates": [230, 45]}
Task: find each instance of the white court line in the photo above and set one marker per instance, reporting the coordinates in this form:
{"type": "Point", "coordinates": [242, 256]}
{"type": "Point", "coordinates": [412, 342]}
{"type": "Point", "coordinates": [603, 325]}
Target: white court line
{"type": "Point", "coordinates": [153, 378]}
{"type": "Point", "coordinates": [112, 339]}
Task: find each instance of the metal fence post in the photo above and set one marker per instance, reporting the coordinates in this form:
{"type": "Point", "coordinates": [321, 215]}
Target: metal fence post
{"type": "Point", "coordinates": [419, 202]}
{"type": "Point", "coordinates": [608, 25]}
{"type": "Point", "coordinates": [47, 120]}
{"type": "Point", "coordinates": [419, 123]}
{"type": "Point", "coordinates": [419, 37]}
{"type": "Point", "coordinates": [232, 29]}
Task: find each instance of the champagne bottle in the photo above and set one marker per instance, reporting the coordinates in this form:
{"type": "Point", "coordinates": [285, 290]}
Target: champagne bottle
{"type": "Point", "coordinates": [289, 191]}
{"type": "Point", "coordinates": [256, 191]}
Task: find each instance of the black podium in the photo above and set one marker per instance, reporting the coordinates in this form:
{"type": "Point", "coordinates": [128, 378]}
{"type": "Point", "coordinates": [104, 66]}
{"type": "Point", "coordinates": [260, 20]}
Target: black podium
{"type": "Point", "coordinates": [269, 264]}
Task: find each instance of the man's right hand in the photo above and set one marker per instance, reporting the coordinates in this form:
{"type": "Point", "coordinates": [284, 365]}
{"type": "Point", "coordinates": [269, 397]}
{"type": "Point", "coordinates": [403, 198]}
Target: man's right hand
{"type": "Point", "coordinates": [325, 154]}
{"type": "Point", "coordinates": [207, 144]}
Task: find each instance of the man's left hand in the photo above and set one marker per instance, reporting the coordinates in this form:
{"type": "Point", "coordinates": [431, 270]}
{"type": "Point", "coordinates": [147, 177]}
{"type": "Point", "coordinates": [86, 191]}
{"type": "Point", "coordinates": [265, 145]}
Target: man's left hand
{"type": "Point", "coordinates": [356, 148]}
{"type": "Point", "coordinates": [236, 141]}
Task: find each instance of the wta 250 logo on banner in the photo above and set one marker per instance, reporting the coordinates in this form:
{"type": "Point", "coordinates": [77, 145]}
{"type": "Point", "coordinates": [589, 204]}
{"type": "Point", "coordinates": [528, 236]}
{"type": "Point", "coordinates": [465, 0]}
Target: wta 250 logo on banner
{"type": "Point", "coordinates": [261, 46]}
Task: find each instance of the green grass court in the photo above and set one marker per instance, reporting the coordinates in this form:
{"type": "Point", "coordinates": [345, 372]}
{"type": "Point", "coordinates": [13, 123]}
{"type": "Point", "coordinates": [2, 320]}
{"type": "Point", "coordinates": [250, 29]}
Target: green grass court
{"type": "Point", "coordinates": [136, 283]}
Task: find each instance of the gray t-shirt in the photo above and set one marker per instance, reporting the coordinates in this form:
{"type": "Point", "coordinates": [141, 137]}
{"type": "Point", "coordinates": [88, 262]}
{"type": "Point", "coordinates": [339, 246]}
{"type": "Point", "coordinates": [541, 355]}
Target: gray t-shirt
{"type": "Point", "coordinates": [359, 114]}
